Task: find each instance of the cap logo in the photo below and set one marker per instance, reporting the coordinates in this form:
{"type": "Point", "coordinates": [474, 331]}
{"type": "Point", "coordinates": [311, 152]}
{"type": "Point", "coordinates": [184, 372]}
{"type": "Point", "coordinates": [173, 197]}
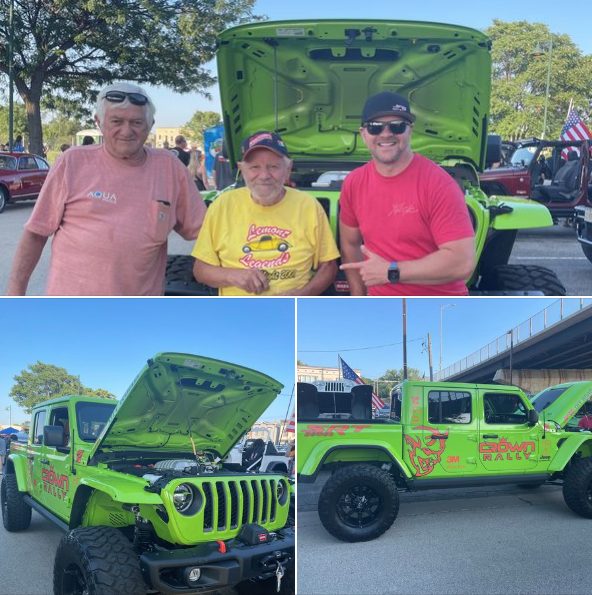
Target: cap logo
{"type": "Point", "coordinates": [259, 138]}
{"type": "Point", "coordinates": [401, 108]}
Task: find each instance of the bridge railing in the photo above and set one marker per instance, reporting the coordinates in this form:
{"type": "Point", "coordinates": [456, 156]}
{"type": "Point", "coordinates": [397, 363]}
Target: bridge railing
{"type": "Point", "coordinates": [539, 322]}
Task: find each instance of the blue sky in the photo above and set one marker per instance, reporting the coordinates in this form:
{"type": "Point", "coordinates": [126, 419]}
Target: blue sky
{"type": "Point", "coordinates": [107, 341]}
{"type": "Point", "coordinates": [327, 327]}
{"type": "Point", "coordinates": [175, 110]}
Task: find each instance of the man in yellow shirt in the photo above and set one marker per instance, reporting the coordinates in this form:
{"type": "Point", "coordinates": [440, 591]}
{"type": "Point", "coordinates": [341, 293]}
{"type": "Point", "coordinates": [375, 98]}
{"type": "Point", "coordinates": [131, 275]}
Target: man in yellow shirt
{"type": "Point", "coordinates": [265, 238]}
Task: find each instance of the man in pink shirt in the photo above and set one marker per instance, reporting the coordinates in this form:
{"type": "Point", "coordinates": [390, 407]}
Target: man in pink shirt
{"type": "Point", "coordinates": [110, 208]}
{"type": "Point", "coordinates": [404, 224]}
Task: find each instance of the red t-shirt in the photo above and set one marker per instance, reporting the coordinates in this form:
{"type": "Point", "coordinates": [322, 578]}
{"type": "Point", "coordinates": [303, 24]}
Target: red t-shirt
{"type": "Point", "coordinates": [406, 217]}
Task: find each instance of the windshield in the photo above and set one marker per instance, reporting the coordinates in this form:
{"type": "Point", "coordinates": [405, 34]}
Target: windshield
{"type": "Point", "coordinates": [547, 397]}
{"type": "Point", "coordinates": [523, 156]}
{"type": "Point", "coordinates": [92, 418]}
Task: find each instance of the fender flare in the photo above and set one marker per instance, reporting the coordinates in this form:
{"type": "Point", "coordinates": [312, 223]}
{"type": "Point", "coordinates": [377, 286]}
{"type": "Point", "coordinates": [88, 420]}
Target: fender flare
{"type": "Point", "coordinates": [17, 465]}
{"type": "Point", "coordinates": [567, 449]}
{"type": "Point", "coordinates": [400, 465]}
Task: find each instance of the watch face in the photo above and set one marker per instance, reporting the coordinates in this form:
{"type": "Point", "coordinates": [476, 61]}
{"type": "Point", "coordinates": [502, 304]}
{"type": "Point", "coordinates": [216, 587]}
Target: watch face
{"type": "Point", "coordinates": [393, 274]}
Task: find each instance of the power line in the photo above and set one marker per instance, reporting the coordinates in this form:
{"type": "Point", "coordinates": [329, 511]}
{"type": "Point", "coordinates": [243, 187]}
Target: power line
{"type": "Point", "coordinates": [358, 348]}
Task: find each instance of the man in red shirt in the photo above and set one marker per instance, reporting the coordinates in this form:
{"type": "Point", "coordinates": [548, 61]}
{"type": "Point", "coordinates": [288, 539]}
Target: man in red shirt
{"type": "Point", "coordinates": [404, 224]}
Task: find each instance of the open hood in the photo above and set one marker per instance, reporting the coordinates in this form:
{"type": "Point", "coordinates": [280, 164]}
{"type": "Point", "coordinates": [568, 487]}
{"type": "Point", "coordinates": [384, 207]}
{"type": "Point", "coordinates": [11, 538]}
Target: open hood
{"type": "Point", "coordinates": [308, 81]}
{"type": "Point", "coordinates": [561, 402]}
{"type": "Point", "coordinates": [178, 397]}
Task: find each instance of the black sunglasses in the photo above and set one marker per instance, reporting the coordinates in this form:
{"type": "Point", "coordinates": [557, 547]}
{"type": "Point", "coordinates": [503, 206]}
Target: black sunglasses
{"type": "Point", "coordinates": [376, 128]}
{"type": "Point", "coordinates": [119, 97]}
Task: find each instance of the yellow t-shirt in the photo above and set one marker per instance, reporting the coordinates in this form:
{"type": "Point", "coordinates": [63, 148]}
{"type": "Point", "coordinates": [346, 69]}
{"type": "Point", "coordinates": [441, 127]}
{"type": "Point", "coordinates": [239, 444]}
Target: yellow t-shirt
{"type": "Point", "coordinates": [287, 240]}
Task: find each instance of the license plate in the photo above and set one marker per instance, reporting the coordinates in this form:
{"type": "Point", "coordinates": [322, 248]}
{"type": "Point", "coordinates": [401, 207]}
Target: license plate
{"type": "Point", "coordinates": [588, 214]}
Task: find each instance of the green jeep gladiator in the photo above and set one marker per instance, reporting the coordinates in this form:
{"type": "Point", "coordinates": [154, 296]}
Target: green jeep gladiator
{"type": "Point", "coordinates": [139, 488]}
{"type": "Point", "coordinates": [308, 81]}
{"type": "Point", "coordinates": [439, 435]}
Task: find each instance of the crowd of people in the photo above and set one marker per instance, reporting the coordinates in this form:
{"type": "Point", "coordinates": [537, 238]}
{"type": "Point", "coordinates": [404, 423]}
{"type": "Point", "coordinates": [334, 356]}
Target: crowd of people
{"type": "Point", "coordinates": [404, 228]}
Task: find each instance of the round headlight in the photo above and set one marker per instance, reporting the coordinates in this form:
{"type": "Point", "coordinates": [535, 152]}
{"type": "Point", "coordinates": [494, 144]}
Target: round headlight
{"type": "Point", "coordinates": [183, 497]}
{"type": "Point", "coordinates": [281, 492]}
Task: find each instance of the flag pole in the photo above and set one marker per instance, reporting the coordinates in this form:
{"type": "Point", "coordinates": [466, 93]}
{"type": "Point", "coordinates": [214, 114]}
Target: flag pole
{"type": "Point", "coordinates": [283, 427]}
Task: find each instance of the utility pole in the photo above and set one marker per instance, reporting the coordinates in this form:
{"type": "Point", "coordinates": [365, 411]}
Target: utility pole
{"type": "Point", "coordinates": [10, 76]}
{"type": "Point", "coordinates": [404, 339]}
{"type": "Point", "coordinates": [511, 333]}
{"type": "Point", "coordinates": [430, 358]}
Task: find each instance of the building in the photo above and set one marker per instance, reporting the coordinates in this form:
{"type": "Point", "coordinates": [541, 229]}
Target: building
{"type": "Point", "coordinates": [271, 430]}
{"type": "Point", "coordinates": [162, 135]}
{"type": "Point", "coordinates": [307, 373]}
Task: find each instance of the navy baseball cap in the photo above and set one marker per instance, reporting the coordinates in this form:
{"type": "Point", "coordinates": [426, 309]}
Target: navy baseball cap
{"type": "Point", "coordinates": [264, 140]}
{"type": "Point", "coordinates": [387, 104]}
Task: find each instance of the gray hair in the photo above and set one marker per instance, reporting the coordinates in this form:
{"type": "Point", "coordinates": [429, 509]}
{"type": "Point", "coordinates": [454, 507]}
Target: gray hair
{"type": "Point", "coordinates": [101, 106]}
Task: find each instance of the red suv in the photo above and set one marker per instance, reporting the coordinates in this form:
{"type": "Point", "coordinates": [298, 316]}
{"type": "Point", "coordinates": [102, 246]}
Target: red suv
{"type": "Point", "coordinates": [554, 173]}
{"type": "Point", "coordinates": [21, 177]}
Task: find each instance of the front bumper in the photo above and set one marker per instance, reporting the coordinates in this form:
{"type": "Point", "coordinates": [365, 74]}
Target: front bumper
{"type": "Point", "coordinates": [163, 570]}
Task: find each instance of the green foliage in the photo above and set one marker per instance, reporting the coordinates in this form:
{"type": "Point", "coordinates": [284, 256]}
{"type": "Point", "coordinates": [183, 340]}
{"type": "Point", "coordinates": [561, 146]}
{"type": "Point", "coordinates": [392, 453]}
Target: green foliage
{"type": "Point", "coordinates": [41, 382]}
{"type": "Point", "coordinates": [522, 54]}
{"type": "Point", "coordinates": [20, 122]}
{"type": "Point", "coordinates": [99, 392]}
{"type": "Point", "coordinates": [60, 130]}
{"type": "Point", "coordinates": [68, 48]}
{"type": "Point", "coordinates": [199, 122]}
{"type": "Point", "coordinates": [390, 378]}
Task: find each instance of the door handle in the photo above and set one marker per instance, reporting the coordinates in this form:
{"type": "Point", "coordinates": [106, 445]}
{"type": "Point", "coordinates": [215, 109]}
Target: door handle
{"type": "Point", "coordinates": [440, 436]}
{"type": "Point", "coordinates": [490, 436]}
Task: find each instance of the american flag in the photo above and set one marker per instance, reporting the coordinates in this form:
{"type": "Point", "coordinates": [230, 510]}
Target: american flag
{"type": "Point", "coordinates": [291, 423]}
{"type": "Point", "coordinates": [574, 129]}
{"type": "Point", "coordinates": [349, 374]}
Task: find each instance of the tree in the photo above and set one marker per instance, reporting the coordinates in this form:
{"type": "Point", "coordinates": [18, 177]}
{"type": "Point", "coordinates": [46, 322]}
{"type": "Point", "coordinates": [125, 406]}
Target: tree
{"type": "Point", "coordinates": [20, 121]}
{"type": "Point", "coordinates": [60, 130]}
{"type": "Point", "coordinates": [520, 54]}
{"type": "Point", "coordinates": [41, 382]}
{"type": "Point", "coordinates": [390, 378]}
{"type": "Point", "coordinates": [68, 47]}
{"type": "Point", "coordinates": [198, 123]}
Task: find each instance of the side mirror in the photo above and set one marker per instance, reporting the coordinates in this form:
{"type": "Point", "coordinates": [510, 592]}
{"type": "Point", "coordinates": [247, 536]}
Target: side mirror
{"type": "Point", "coordinates": [493, 152]}
{"type": "Point", "coordinates": [53, 435]}
{"type": "Point", "coordinates": [533, 417]}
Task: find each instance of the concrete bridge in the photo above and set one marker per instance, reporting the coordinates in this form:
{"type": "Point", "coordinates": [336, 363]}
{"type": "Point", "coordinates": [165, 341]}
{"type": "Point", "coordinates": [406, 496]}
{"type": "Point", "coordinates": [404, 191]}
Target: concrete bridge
{"type": "Point", "coordinates": [551, 347]}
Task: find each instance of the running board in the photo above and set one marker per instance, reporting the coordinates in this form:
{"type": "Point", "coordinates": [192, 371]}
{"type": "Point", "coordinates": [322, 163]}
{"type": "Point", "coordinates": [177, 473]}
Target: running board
{"type": "Point", "coordinates": [45, 513]}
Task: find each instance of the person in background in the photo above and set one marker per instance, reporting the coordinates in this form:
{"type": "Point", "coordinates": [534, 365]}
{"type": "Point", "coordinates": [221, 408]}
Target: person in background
{"type": "Point", "coordinates": [223, 175]}
{"type": "Point", "coordinates": [266, 238]}
{"type": "Point", "coordinates": [180, 149]}
{"type": "Point", "coordinates": [18, 146]}
{"type": "Point", "coordinates": [110, 208]}
{"type": "Point", "coordinates": [196, 168]}
{"type": "Point", "coordinates": [88, 140]}
{"type": "Point", "coordinates": [64, 147]}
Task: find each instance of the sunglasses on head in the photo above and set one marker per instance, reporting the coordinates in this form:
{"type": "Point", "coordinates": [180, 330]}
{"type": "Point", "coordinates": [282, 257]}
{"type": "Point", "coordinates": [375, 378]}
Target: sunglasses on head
{"type": "Point", "coordinates": [120, 96]}
{"type": "Point", "coordinates": [376, 128]}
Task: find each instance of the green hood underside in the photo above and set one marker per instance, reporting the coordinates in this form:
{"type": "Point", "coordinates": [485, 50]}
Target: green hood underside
{"type": "Point", "coordinates": [560, 403]}
{"type": "Point", "coordinates": [308, 80]}
{"type": "Point", "coordinates": [178, 398]}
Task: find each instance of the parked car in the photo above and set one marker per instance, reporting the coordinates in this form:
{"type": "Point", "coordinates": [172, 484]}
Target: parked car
{"type": "Point", "coordinates": [21, 177]}
{"type": "Point", "coordinates": [554, 173]}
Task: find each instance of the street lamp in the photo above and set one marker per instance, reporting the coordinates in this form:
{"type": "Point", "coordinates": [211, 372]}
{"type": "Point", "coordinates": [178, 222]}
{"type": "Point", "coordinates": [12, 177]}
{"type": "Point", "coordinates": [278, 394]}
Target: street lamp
{"type": "Point", "coordinates": [511, 333]}
{"type": "Point", "coordinates": [442, 308]}
{"type": "Point", "coordinates": [540, 51]}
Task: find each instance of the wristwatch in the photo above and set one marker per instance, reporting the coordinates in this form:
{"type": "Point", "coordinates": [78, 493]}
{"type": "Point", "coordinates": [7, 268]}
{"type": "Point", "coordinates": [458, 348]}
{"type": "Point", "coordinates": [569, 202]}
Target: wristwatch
{"type": "Point", "coordinates": [393, 272]}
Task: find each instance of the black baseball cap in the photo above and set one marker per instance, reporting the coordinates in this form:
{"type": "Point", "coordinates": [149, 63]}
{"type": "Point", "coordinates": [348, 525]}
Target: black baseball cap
{"type": "Point", "coordinates": [264, 140]}
{"type": "Point", "coordinates": [387, 104]}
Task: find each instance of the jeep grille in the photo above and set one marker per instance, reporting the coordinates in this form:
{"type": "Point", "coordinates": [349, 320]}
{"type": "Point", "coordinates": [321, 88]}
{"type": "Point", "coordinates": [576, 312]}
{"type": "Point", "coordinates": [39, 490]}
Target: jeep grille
{"type": "Point", "coordinates": [231, 504]}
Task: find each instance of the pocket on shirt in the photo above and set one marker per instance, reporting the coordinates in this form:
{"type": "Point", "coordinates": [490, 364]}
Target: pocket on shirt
{"type": "Point", "coordinates": [160, 220]}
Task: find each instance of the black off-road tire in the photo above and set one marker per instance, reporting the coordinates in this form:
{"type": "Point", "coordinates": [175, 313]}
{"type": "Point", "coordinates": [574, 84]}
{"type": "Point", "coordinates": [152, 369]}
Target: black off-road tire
{"type": "Point", "coordinates": [577, 487]}
{"type": "Point", "coordinates": [586, 248]}
{"type": "Point", "coordinates": [97, 561]}
{"type": "Point", "coordinates": [358, 503]}
{"type": "Point", "coordinates": [3, 199]}
{"type": "Point", "coordinates": [16, 513]}
{"type": "Point", "coordinates": [518, 277]}
{"type": "Point", "coordinates": [180, 280]}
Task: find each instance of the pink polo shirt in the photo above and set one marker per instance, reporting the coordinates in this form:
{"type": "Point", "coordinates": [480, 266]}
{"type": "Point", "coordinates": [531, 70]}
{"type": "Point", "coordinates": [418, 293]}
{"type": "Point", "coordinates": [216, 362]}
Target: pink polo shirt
{"type": "Point", "coordinates": [111, 220]}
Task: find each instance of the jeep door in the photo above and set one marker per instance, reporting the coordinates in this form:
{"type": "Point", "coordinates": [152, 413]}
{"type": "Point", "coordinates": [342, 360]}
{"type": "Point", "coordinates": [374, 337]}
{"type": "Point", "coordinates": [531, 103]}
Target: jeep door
{"type": "Point", "coordinates": [449, 435]}
{"type": "Point", "coordinates": [56, 474]}
{"type": "Point", "coordinates": [36, 456]}
{"type": "Point", "coordinates": [507, 444]}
